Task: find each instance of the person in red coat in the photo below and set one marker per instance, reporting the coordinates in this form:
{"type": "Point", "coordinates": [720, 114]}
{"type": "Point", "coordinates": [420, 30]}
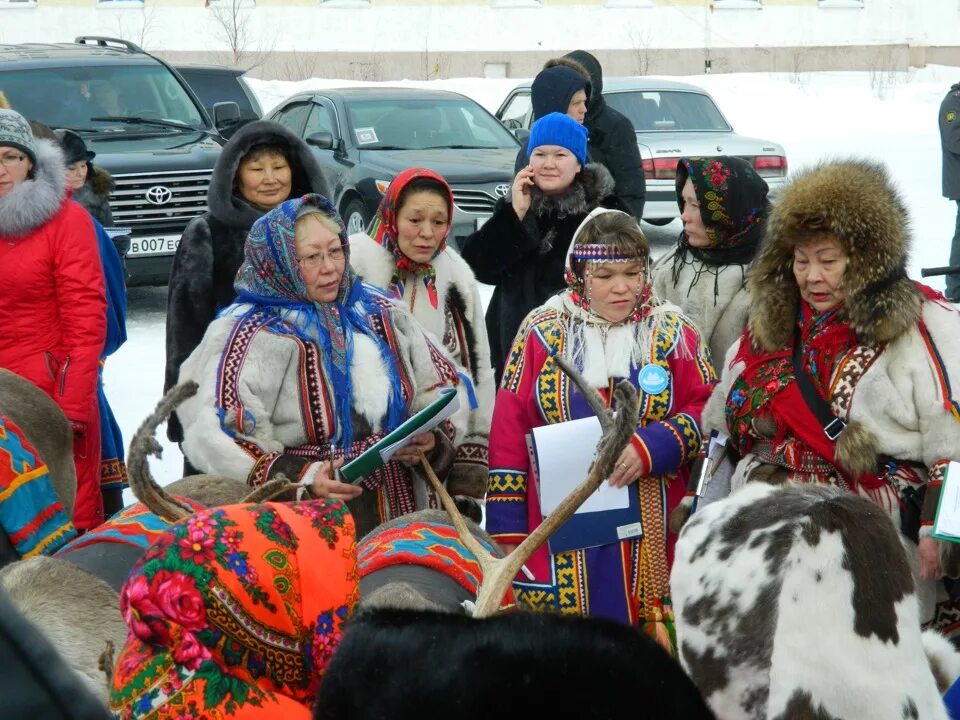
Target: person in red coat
{"type": "Point", "coordinates": [52, 300]}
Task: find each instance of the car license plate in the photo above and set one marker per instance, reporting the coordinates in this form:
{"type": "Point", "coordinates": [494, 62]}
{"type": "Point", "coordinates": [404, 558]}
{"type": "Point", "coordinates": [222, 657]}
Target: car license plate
{"type": "Point", "coordinates": [155, 245]}
{"type": "Point", "coordinates": [481, 221]}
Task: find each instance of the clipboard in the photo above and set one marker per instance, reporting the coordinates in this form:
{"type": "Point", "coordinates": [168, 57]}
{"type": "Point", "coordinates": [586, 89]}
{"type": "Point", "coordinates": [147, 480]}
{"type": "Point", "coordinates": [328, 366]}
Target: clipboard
{"type": "Point", "coordinates": [379, 454]}
{"type": "Point", "coordinates": [946, 523]}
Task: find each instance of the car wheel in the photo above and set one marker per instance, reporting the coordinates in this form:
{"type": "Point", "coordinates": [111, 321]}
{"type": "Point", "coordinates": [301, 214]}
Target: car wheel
{"type": "Point", "coordinates": [355, 217]}
{"type": "Point", "coordinates": [659, 222]}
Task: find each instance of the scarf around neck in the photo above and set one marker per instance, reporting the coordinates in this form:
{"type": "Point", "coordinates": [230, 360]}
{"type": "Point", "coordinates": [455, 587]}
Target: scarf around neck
{"type": "Point", "coordinates": [383, 229]}
{"type": "Point", "coordinates": [270, 281]}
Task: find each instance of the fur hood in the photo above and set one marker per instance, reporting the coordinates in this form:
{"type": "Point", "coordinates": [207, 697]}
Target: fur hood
{"type": "Point", "coordinates": [228, 207]}
{"type": "Point", "coordinates": [855, 201]}
{"type": "Point", "coordinates": [34, 201]}
{"type": "Point", "coordinates": [100, 182]}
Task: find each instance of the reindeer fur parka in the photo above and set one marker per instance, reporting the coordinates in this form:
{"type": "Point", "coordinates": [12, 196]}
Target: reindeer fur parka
{"type": "Point", "coordinates": [457, 325]}
{"type": "Point", "coordinates": [211, 249]}
{"type": "Point", "coordinates": [525, 259]}
{"type": "Point", "coordinates": [902, 412]}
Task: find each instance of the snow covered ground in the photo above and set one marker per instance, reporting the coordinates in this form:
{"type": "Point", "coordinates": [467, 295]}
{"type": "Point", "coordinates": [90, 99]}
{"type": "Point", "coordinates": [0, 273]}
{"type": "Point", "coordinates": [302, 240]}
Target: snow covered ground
{"type": "Point", "coordinates": [815, 116]}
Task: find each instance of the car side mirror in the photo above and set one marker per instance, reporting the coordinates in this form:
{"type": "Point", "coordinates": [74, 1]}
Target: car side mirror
{"type": "Point", "coordinates": [322, 140]}
{"type": "Point", "coordinates": [511, 123]}
{"type": "Point", "coordinates": [521, 134]}
{"type": "Point", "coordinates": [226, 115]}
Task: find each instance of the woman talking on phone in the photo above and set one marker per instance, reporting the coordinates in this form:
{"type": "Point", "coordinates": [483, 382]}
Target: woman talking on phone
{"type": "Point", "coordinates": [522, 248]}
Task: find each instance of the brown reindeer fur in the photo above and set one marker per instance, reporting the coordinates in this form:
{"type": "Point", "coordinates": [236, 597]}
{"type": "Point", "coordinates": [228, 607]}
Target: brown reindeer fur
{"type": "Point", "coordinates": [76, 611]}
{"type": "Point", "coordinates": [46, 427]}
{"type": "Point", "coordinates": [210, 490]}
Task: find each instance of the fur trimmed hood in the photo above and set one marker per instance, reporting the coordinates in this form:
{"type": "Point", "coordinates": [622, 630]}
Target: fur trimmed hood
{"type": "Point", "coordinates": [100, 182]}
{"type": "Point", "coordinates": [228, 207]}
{"type": "Point", "coordinates": [34, 201]}
{"type": "Point", "coordinates": [855, 201]}
{"type": "Point", "coordinates": [591, 185]}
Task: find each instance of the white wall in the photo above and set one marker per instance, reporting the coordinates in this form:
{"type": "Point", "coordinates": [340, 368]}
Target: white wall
{"type": "Point", "coordinates": [467, 28]}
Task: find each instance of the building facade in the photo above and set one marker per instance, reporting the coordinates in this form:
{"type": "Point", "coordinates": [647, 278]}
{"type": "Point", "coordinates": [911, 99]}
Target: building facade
{"type": "Point", "coordinates": [391, 39]}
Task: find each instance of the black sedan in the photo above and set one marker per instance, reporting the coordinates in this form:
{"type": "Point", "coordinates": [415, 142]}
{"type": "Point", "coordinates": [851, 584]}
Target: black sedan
{"type": "Point", "coordinates": [364, 137]}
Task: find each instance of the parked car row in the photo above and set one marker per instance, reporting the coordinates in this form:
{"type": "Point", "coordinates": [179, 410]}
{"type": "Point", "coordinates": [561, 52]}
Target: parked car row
{"type": "Point", "coordinates": [158, 129]}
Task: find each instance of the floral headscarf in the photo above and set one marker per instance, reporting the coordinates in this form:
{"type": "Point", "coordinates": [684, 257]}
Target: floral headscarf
{"type": "Point", "coordinates": [235, 613]}
{"type": "Point", "coordinates": [383, 229]}
{"type": "Point", "coordinates": [270, 280]}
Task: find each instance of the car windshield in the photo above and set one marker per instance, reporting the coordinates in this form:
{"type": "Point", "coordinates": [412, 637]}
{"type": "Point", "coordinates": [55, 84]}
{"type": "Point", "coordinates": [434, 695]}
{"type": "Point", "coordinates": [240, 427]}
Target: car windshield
{"type": "Point", "coordinates": [668, 111]}
{"type": "Point", "coordinates": [131, 91]}
{"type": "Point", "coordinates": [401, 124]}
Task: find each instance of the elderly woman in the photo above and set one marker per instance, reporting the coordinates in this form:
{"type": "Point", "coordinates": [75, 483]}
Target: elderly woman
{"type": "Point", "coordinates": [723, 204]}
{"type": "Point", "coordinates": [91, 185]}
{"type": "Point", "coordinates": [609, 325]}
{"type": "Point", "coordinates": [846, 373]}
{"type": "Point", "coordinates": [53, 316]}
{"type": "Point", "coordinates": [521, 249]}
{"type": "Point", "coordinates": [236, 612]}
{"type": "Point", "coordinates": [313, 365]}
{"type": "Point", "coordinates": [406, 253]}
{"type": "Point", "coordinates": [262, 165]}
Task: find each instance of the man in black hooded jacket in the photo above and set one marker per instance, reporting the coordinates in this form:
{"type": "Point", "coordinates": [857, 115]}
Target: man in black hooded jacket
{"type": "Point", "coordinates": [613, 141]}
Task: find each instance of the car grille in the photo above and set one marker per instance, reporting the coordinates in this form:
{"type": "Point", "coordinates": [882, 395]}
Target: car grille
{"type": "Point", "coordinates": [184, 196]}
{"type": "Point", "coordinates": [474, 201]}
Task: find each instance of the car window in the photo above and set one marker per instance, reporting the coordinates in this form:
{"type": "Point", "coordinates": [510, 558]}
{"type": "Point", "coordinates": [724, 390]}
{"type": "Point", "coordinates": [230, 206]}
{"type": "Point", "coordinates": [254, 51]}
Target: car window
{"type": "Point", "coordinates": [320, 120]}
{"type": "Point", "coordinates": [418, 124]}
{"type": "Point", "coordinates": [213, 87]}
{"type": "Point", "coordinates": [149, 91]}
{"type": "Point", "coordinates": [293, 116]}
{"type": "Point", "coordinates": [668, 110]}
{"type": "Point", "coordinates": [516, 115]}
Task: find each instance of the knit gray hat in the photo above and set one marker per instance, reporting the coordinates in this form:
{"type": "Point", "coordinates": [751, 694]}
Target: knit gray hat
{"type": "Point", "coordinates": [16, 132]}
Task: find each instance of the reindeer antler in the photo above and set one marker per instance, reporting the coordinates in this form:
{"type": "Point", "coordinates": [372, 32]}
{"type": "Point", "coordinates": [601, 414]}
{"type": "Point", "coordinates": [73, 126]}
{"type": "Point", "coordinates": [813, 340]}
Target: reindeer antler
{"type": "Point", "coordinates": [143, 444]}
{"type": "Point", "coordinates": [618, 428]}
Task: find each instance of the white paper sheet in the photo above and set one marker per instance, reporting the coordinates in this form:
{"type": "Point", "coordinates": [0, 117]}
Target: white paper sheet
{"type": "Point", "coordinates": [429, 425]}
{"type": "Point", "coordinates": [947, 523]}
{"type": "Point", "coordinates": [564, 452]}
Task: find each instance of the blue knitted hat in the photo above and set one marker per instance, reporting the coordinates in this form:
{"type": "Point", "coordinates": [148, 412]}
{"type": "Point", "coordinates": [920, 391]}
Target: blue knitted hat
{"type": "Point", "coordinates": [559, 129]}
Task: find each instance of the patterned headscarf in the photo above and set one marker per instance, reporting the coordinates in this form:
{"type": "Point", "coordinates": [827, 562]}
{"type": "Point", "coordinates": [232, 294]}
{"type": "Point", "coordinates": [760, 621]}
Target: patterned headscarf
{"type": "Point", "coordinates": [383, 229]}
{"type": "Point", "coordinates": [270, 280]}
{"type": "Point", "coordinates": [235, 613]}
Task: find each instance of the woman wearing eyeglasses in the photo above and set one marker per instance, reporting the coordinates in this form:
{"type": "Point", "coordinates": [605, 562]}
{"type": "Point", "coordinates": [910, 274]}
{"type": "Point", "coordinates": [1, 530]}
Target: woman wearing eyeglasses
{"type": "Point", "coordinates": [53, 311]}
{"type": "Point", "coordinates": [311, 362]}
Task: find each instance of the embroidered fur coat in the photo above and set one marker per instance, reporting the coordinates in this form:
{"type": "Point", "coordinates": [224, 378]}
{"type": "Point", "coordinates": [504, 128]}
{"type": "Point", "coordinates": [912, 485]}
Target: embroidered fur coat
{"type": "Point", "coordinates": [280, 383]}
{"type": "Point", "coordinates": [457, 325]}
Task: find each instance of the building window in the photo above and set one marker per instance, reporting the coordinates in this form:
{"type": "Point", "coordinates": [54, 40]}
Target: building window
{"type": "Point", "coordinates": [737, 5]}
{"type": "Point", "coordinates": [516, 3]}
{"type": "Point", "coordinates": [840, 3]}
{"type": "Point", "coordinates": [17, 3]}
{"type": "Point", "coordinates": [628, 3]}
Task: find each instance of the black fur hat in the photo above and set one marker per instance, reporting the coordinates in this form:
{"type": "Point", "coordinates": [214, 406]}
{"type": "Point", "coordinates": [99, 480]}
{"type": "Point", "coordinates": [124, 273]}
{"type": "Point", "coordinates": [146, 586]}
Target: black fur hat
{"type": "Point", "coordinates": [74, 148]}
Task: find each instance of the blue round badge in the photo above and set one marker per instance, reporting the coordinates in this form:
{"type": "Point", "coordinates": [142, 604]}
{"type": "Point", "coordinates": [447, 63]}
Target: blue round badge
{"type": "Point", "coordinates": [653, 379]}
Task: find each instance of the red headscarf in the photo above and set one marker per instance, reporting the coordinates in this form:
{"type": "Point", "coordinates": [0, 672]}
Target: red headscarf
{"type": "Point", "coordinates": [384, 231]}
{"type": "Point", "coordinates": [236, 612]}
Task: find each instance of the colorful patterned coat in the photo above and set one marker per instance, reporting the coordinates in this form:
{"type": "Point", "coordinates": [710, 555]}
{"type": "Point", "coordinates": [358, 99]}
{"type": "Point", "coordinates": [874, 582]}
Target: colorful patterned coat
{"type": "Point", "coordinates": [627, 581]}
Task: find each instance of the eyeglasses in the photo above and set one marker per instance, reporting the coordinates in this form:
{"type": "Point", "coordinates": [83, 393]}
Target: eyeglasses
{"type": "Point", "coordinates": [335, 255]}
{"type": "Point", "coordinates": [9, 161]}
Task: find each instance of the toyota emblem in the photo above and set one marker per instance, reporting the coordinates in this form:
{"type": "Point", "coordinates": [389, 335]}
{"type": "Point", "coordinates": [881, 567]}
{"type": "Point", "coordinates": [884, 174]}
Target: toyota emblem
{"type": "Point", "coordinates": [158, 195]}
{"type": "Point", "coordinates": [501, 190]}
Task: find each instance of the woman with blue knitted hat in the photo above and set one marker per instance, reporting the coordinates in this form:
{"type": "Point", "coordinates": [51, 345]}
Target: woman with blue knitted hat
{"type": "Point", "coordinates": [521, 248]}
{"type": "Point", "coordinates": [311, 365]}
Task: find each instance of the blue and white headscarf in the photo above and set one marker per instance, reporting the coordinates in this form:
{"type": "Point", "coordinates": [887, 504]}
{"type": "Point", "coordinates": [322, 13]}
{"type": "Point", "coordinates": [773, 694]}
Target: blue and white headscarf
{"type": "Point", "coordinates": [269, 279]}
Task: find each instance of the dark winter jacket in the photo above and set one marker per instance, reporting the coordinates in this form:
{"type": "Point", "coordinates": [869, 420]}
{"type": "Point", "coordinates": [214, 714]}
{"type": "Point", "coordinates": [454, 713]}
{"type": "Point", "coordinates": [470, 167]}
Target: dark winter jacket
{"type": "Point", "coordinates": [211, 249]}
{"type": "Point", "coordinates": [95, 195]}
{"type": "Point", "coordinates": [950, 141]}
{"type": "Point", "coordinates": [36, 682]}
{"type": "Point", "coordinates": [613, 141]}
{"type": "Point", "coordinates": [525, 259]}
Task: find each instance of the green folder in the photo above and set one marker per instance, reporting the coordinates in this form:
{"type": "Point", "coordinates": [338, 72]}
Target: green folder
{"type": "Point", "coordinates": [377, 455]}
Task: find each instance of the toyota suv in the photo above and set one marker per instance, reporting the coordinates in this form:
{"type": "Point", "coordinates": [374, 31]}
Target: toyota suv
{"type": "Point", "coordinates": [145, 124]}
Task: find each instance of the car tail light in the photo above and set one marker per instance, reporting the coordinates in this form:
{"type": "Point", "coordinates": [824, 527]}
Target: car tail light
{"type": "Point", "coordinates": [770, 165]}
{"type": "Point", "coordinates": [660, 168]}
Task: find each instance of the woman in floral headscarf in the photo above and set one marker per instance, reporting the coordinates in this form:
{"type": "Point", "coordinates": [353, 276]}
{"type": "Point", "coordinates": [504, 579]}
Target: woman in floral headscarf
{"type": "Point", "coordinates": [609, 326]}
{"type": "Point", "coordinates": [310, 364]}
{"type": "Point", "coordinates": [235, 613]}
{"type": "Point", "coordinates": [723, 204]}
{"type": "Point", "coordinates": [405, 252]}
